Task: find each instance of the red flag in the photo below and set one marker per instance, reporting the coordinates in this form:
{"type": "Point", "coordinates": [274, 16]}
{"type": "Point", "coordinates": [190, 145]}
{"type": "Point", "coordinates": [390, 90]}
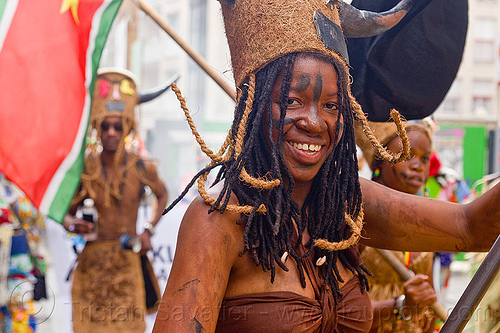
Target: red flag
{"type": "Point", "coordinates": [49, 54]}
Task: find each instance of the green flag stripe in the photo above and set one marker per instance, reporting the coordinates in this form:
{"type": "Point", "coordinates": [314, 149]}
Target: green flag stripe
{"type": "Point", "coordinates": [2, 8]}
{"type": "Point", "coordinates": [6, 15]}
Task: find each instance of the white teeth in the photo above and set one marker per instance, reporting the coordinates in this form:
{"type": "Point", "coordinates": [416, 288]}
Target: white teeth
{"type": "Point", "coordinates": [309, 148]}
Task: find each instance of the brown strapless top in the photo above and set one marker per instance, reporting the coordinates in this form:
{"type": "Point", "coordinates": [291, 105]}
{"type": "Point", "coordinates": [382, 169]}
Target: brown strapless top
{"type": "Point", "coordinates": [284, 311]}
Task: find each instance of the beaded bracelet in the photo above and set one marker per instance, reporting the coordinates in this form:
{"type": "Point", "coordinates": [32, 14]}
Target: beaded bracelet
{"type": "Point", "coordinates": [395, 308]}
{"type": "Point", "coordinates": [400, 306]}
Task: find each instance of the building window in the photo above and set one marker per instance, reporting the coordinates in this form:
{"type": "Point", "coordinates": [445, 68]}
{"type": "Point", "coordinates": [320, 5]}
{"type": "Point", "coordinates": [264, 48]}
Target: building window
{"type": "Point", "coordinates": [451, 103]}
{"type": "Point", "coordinates": [482, 106]}
{"type": "Point", "coordinates": [484, 51]}
{"type": "Point", "coordinates": [172, 49]}
{"type": "Point", "coordinates": [484, 40]}
{"type": "Point", "coordinates": [149, 30]}
{"type": "Point", "coordinates": [198, 27]}
{"type": "Point", "coordinates": [448, 144]}
{"type": "Point", "coordinates": [482, 98]}
{"type": "Point", "coordinates": [197, 38]}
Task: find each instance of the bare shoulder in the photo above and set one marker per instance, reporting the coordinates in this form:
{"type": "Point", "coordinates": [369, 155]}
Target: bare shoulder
{"type": "Point", "coordinates": [207, 248]}
{"type": "Point", "coordinates": [150, 166]}
{"type": "Point", "coordinates": [198, 220]}
{"type": "Point", "coordinates": [150, 172]}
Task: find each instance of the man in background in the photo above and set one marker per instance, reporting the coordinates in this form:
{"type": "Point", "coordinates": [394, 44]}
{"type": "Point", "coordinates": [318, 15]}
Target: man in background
{"type": "Point", "coordinates": [114, 285]}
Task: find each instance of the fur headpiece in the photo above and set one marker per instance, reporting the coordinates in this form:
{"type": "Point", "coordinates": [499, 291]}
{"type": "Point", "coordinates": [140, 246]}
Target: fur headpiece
{"type": "Point", "coordinates": [260, 31]}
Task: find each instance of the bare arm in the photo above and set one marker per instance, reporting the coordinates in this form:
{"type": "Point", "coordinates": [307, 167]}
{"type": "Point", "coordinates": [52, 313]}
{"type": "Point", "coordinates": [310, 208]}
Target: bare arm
{"type": "Point", "coordinates": [399, 221]}
{"type": "Point", "coordinates": [207, 247]}
{"type": "Point", "coordinates": [161, 194]}
{"type": "Point", "coordinates": [77, 225]}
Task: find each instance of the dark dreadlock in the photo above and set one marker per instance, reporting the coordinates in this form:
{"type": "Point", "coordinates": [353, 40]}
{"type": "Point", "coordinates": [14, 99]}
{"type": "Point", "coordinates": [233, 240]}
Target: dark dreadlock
{"type": "Point", "coordinates": [335, 190]}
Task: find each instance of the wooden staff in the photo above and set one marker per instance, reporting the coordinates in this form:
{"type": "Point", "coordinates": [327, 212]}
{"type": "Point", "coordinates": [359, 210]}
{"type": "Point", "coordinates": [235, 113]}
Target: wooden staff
{"type": "Point", "coordinates": [475, 291]}
{"type": "Point", "coordinates": [146, 8]}
{"type": "Point", "coordinates": [406, 274]}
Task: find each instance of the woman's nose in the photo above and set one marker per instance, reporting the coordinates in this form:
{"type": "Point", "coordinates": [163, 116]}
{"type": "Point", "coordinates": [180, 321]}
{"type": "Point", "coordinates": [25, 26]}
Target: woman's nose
{"type": "Point", "coordinates": [311, 120]}
{"type": "Point", "coordinates": [415, 164]}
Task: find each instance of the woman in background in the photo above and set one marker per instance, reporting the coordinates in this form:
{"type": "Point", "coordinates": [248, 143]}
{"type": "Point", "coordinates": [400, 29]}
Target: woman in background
{"type": "Point", "coordinates": [400, 306]}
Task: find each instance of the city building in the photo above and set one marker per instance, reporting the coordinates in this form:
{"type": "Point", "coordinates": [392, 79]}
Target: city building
{"type": "Point", "coordinates": [469, 116]}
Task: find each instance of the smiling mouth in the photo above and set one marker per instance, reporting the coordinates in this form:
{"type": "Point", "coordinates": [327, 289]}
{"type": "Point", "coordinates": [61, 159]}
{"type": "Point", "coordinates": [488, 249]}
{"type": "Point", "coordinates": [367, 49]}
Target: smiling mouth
{"type": "Point", "coordinates": [415, 180]}
{"type": "Point", "coordinates": [307, 148]}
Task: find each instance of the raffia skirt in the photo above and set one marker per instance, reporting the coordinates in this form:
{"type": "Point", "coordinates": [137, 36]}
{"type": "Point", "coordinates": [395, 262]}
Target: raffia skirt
{"type": "Point", "coordinates": [108, 290]}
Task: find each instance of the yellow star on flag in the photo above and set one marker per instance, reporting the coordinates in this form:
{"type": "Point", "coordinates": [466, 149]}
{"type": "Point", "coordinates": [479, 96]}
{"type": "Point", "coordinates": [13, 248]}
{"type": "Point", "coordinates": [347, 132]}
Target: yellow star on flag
{"type": "Point", "coordinates": [73, 5]}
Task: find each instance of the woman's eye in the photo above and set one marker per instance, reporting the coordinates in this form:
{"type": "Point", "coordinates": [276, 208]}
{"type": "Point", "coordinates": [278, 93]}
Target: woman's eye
{"type": "Point", "coordinates": [425, 159]}
{"type": "Point", "coordinates": [292, 101]}
{"type": "Point", "coordinates": [332, 106]}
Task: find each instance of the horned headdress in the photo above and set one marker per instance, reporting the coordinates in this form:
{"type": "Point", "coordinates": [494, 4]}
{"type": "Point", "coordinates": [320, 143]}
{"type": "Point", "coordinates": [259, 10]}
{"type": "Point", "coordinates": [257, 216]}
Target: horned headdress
{"type": "Point", "coordinates": [260, 31]}
{"type": "Point", "coordinates": [115, 94]}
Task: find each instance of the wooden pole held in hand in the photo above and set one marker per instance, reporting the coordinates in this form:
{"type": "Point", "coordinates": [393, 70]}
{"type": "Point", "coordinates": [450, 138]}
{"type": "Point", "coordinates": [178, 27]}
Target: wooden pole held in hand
{"type": "Point", "coordinates": [406, 274]}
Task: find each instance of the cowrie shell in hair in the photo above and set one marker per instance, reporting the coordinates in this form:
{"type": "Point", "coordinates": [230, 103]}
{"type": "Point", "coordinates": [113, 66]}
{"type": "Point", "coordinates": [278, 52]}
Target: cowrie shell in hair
{"type": "Point", "coordinates": [284, 257]}
{"type": "Point", "coordinates": [321, 261]}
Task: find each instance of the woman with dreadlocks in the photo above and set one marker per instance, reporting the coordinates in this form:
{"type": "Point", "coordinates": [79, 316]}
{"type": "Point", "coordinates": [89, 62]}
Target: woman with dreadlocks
{"type": "Point", "coordinates": [400, 306]}
{"type": "Point", "coordinates": [272, 246]}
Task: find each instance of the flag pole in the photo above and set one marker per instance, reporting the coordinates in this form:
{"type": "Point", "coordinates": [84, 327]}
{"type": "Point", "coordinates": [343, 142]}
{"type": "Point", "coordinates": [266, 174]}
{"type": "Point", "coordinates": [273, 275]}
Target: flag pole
{"type": "Point", "coordinates": [406, 274]}
{"type": "Point", "coordinates": [474, 292]}
{"type": "Point", "coordinates": [151, 12]}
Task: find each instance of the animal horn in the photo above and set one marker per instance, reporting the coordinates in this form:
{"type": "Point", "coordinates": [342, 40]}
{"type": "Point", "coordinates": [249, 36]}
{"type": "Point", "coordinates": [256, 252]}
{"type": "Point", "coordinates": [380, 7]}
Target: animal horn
{"type": "Point", "coordinates": [157, 91]}
{"type": "Point", "coordinates": [358, 23]}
